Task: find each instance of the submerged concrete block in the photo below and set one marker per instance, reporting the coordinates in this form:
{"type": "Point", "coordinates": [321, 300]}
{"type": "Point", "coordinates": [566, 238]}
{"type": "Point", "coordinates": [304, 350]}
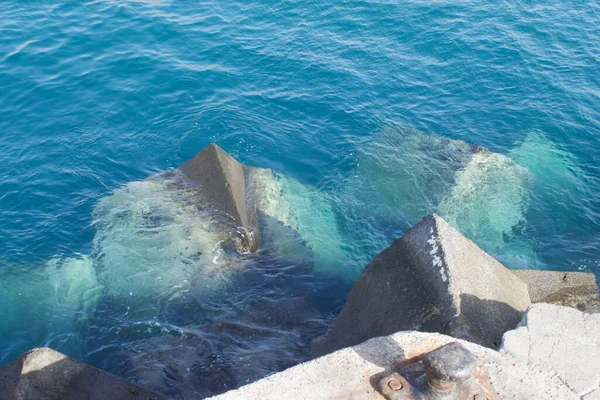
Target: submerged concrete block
{"type": "Point", "coordinates": [223, 181]}
{"type": "Point", "coordinates": [571, 289]}
{"type": "Point", "coordinates": [45, 374]}
{"type": "Point", "coordinates": [433, 279]}
{"type": "Point", "coordinates": [560, 339]}
{"type": "Point", "coordinates": [354, 372]}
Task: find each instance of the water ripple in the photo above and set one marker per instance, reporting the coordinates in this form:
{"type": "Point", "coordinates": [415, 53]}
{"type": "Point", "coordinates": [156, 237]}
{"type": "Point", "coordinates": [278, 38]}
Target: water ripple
{"type": "Point", "coordinates": [95, 95]}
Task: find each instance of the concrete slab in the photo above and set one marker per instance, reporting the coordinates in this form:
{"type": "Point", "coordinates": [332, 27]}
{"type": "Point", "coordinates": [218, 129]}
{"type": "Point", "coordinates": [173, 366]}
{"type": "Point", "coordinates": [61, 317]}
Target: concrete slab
{"type": "Point", "coordinates": [45, 374]}
{"type": "Point", "coordinates": [223, 181]}
{"type": "Point", "coordinates": [433, 279]}
{"type": "Point", "coordinates": [595, 395]}
{"type": "Point", "coordinates": [571, 289]}
{"type": "Point", "coordinates": [353, 373]}
{"type": "Point", "coordinates": [561, 339]}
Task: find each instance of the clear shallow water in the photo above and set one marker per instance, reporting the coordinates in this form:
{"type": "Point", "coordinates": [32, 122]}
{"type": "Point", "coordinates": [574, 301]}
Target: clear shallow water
{"type": "Point", "coordinates": [357, 103]}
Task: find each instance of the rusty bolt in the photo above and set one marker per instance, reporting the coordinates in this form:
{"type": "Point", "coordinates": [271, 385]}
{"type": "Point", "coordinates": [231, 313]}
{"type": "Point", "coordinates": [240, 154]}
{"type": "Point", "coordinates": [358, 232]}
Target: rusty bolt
{"type": "Point", "coordinates": [480, 396]}
{"type": "Point", "coordinates": [395, 385]}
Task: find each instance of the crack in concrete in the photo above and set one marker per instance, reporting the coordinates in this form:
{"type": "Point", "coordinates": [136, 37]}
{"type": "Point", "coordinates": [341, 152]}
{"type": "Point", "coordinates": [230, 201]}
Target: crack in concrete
{"type": "Point", "coordinates": [596, 388]}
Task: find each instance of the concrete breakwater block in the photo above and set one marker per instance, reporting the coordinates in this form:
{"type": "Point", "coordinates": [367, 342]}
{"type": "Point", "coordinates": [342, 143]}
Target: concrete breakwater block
{"type": "Point", "coordinates": [572, 289]}
{"type": "Point", "coordinates": [45, 374]}
{"type": "Point", "coordinates": [223, 180]}
{"type": "Point", "coordinates": [562, 340]}
{"type": "Point", "coordinates": [433, 279]}
{"type": "Point", "coordinates": [259, 208]}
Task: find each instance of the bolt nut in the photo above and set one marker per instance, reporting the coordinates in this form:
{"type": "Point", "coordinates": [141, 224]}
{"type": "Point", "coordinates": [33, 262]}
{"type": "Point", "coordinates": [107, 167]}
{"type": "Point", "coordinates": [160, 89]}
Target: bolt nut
{"type": "Point", "coordinates": [395, 385]}
{"type": "Point", "coordinates": [480, 396]}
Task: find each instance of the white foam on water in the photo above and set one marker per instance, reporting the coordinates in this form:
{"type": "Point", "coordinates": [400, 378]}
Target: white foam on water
{"type": "Point", "coordinates": [279, 222]}
{"type": "Point", "coordinates": [154, 239]}
{"type": "Point", "coordinates": [266, 189]}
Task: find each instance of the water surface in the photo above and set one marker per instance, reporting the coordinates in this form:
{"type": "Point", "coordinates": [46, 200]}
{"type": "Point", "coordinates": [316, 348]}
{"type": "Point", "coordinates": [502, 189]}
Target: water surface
{"type": "Point", "coordinates": [367, 108]}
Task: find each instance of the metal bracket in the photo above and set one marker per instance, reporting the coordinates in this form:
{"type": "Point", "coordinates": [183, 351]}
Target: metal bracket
{"type": "Point", "coordinates": [449, 372]}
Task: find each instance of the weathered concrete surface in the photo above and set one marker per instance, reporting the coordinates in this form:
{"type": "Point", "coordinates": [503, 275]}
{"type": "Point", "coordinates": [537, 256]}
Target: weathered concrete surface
{"type": "Point", "coordinates": [432, 279]}
{"type": "Point", "coordinates": [563, 340]}
{"type": "Point", "coordinates": [223, 181]}
{"type": "Point", "coordinates": [572, 289]}
{"type": "Point", "coordinates": [353, 373]}
{"type": "Point", "coordinates": [45, 374]}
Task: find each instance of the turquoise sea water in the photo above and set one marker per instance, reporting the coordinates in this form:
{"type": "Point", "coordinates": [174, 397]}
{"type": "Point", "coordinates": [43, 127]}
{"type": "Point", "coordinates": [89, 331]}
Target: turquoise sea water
{"type": "Point", "coordinates": [366, 109]}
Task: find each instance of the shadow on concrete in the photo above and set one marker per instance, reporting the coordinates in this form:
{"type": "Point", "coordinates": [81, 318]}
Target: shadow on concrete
{"type": "Point", "coordinates": [387, 354]}
{"type": "Point", "coordinates": [492, 316]}
{"type": "Point", "coordinates": [384, 356]}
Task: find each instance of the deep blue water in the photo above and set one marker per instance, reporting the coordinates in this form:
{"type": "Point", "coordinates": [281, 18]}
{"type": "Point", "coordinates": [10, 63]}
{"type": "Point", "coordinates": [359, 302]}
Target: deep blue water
{"type": "Point", "coordinates": [352, 99]}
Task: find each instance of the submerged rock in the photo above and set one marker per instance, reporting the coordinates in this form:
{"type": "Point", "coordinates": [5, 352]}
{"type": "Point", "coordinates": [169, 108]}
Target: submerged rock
{"type": "Point", "coordinates": [403, 175]}
{"type": "Point", "coordinates": [264, 337]}
{"type": "Point", "coordinates": [561, 216]}
{"type": "Point", "coordinates": [489, 199]}
{"type": "Point", "coordinates": [194, 227]}
{"type": "Point", "coordinates": [557, 175]}
{"type": "Point", "coordinates": [299, 222]}
{"type": "Point", "coordinates": [44, 304]}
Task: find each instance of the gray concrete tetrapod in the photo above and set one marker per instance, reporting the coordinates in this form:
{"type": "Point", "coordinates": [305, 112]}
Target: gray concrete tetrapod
{"type": "Point", "coordinates": [433, 279]}
{"type": "Point", "coordinates": [45, 374]}
{"type": "Point", "coordinates": [223, 181]}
